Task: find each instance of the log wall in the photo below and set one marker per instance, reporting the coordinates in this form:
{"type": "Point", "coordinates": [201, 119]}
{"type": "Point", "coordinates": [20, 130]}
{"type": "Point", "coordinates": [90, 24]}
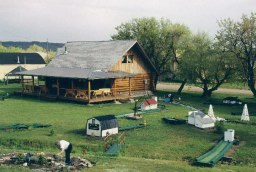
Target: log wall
{"type": "Point", "coordinates": [139, 82]}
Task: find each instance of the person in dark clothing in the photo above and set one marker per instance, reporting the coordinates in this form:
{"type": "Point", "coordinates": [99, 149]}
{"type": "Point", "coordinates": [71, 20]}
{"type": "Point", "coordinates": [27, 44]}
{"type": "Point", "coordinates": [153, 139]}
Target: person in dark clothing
{"type": "Point", "coordinates": [67, 147]}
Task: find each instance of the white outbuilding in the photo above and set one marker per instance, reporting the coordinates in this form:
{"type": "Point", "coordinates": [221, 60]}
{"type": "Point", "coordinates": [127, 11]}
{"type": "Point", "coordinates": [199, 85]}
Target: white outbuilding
{"type": "Point", "coordinates": [200, 120]}
{"type": "Point", "coordinates": [149, 104]}
{"type": "Point", "coordinates": [229, 135]}
{"type": "Point", "coordinates": [102, 126]}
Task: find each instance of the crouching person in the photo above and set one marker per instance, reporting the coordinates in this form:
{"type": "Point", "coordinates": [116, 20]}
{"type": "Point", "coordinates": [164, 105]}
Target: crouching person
{"type": "Point", "coordinates": [67, 147]}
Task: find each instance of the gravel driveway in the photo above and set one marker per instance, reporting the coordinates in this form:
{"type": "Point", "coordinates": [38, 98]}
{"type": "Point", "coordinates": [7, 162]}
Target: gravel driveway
{"type": "Point", "coordinates": [174, 87]}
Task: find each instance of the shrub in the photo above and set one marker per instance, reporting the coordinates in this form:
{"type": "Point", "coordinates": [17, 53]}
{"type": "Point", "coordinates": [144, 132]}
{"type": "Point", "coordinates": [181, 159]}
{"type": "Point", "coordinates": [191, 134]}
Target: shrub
{"type": "Point", "coordinates": [219, 127]}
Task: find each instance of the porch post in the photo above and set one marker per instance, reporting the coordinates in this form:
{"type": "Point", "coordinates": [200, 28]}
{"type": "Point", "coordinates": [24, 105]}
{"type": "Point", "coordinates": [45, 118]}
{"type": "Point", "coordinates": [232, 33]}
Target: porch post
{"type": "Point", "coordinates": [33, 83]}
{"type": "Point", "coordinates": [115, 87]}
{"type": "Point", "coordinates": [89, 90]}
{"type": "Point", "coordinates": [129, 86]}
{"type": "Point", "coordinates": [72, 84]}
{"type": "Point", "coordinates": [22, 83]}
{"type": "Point", "coordinates": [58, 87]}
{"type": "Point", "coordinates": [7, 79]}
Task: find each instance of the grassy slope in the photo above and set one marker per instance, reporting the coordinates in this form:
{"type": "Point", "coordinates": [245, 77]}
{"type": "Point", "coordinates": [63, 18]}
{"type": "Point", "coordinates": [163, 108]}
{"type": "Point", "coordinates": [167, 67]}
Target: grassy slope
{"type": "Point", "coordinates": [158, 147]}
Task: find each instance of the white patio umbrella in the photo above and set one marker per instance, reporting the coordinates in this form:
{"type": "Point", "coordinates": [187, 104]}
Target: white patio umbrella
{"type": "Point", "coordinates": [245, 114]}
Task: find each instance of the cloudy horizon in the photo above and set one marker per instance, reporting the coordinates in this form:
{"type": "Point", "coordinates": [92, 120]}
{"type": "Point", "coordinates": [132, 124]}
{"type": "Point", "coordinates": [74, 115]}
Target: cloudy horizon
{"type": "Point", "coordinates": [84, 20]}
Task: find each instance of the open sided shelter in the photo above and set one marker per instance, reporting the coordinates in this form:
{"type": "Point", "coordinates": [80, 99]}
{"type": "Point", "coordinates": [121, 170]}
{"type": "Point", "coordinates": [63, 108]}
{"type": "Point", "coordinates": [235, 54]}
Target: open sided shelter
{"type": "Point", "coordinates": [11, 61]}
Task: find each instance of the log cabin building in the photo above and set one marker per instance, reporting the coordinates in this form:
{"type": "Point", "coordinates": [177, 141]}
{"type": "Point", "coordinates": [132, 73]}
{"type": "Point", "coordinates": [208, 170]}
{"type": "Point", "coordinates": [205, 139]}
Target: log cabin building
{"type": "Point", "coordinates": [94, 71]}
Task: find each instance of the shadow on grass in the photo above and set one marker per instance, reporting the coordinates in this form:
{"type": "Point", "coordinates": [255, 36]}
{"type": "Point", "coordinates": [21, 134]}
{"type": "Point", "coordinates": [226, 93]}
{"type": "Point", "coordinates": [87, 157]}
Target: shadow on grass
{"type": "Point", "coordinates": [80, 132]}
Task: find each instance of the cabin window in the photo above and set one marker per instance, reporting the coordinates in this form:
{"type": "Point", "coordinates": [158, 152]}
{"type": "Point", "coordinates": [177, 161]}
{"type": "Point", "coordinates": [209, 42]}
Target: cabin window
{"type": "Point", "coordinates": [130, 58]}
{"type": "Point", "coordinates": [124, 59]}
{"type": "Point", "coordinates": [127, 59]}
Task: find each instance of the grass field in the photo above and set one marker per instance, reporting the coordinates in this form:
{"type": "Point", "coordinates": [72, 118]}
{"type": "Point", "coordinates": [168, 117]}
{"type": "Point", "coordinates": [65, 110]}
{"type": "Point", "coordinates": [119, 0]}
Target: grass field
{"type": "Point", "coordinates": [158, 147]}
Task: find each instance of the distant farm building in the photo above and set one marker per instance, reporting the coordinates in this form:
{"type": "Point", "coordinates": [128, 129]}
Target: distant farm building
{"type": "Point", "coordinates": [102, 126]}
{"type": "Point", "coordinates": [200, 120]}
{"type": "Point", "coordinates": [95, 71]}
{"type": "Point", "coordinates": [149, 104]}
{"type": "Point", "coordinates": [10, 63]}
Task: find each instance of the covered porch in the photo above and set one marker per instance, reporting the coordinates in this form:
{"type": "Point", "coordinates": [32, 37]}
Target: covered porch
{"type": "Point", "coordinates": [79, 90]}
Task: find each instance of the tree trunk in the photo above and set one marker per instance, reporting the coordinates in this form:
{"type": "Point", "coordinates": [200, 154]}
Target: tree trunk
{"type": "Point", "coordinates": [252, 88]}
{"type": "Point", "coordinates": [155, 81]}
{"type": "Point", "coordinates": [251, 81]}
{"type": "Point", "coordinates": [181, 86]}
{"type": "Point", "coordinates": [206, 92]}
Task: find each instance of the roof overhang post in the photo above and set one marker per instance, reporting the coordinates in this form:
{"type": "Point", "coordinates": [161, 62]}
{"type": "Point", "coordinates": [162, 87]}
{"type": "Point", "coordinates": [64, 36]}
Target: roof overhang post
{"type": "Point", "coordinates": [89, 91]}
{"type": "Point", "coordinates": [58, 87]}
{"type": "Point", "coordinates": [22, 83]}
{"type": "Point", "coordinates": [7, 79]}
{"type": "Point", "coordinates": [115, 87]}
{"type": "Point", "coordinates": [72, 85]}
{"type": "Point", "coordinates": [33, 83]}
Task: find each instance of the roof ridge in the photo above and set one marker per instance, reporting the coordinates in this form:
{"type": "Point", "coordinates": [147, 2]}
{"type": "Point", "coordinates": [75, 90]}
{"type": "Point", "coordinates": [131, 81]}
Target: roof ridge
{"type": "Point", "coordinates": [103, 41]}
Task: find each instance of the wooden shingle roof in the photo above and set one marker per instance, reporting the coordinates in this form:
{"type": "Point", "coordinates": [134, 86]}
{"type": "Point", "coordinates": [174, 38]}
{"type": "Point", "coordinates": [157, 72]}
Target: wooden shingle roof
{"type": "Point", "coordinates": [89, 60]}
{"type": "Point", "coordinates": [99, 55]}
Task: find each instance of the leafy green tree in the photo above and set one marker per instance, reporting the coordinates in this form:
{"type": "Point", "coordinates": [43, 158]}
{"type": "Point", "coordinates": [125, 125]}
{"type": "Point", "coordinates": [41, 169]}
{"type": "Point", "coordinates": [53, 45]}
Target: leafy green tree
{"type": "Point", "coordinates": [161, 40]}
{"type": "Point", "coordinates": [4, 49]}
{"type": "Point", "coordinates": [35, 48]}
{"type": "Point", "coordinates": [31, 49]}
{"type": "Point", "coordinates": [239, 38]}
{"type": "Point", "coordinates": [203, 62]}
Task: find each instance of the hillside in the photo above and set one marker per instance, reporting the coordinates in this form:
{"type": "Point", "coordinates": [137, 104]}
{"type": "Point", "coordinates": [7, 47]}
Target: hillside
{"type": "Point", "coordinates": [24, 45]}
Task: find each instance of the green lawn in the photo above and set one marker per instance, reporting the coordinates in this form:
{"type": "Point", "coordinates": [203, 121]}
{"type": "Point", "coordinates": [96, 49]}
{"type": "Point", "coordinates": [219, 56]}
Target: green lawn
{"type": "Point", "coordinates": [158, 147]}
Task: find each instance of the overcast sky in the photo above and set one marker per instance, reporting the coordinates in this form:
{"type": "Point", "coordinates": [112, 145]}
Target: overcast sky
{"type": "Point", "coordinates": [86, 20]}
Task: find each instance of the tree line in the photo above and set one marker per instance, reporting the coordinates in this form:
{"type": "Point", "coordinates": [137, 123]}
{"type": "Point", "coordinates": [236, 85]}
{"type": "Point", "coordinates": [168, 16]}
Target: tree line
{"type": "Point", "coordinates": [31, 49]}
{"type": "Point", "coordinates": [196, 57]}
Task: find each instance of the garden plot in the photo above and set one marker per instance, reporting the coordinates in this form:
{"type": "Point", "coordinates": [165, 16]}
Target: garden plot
{"type": "Point", "coordinates": [44, 162]}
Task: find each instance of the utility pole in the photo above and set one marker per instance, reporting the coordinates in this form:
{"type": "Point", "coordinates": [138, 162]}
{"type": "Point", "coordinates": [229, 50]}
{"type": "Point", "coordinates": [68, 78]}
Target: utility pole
{"type": "Point", "coordinates": [47, 50]}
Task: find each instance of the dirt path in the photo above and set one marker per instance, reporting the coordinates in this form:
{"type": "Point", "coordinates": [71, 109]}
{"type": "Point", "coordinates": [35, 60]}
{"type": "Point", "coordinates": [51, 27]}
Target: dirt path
{"type": "Point", "coordinates": [174, 87]}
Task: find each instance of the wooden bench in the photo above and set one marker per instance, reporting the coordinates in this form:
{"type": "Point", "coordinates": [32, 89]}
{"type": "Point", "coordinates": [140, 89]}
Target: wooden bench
{"type": "Point", "coordinates": [106, 91]}
{"type": "Point", "coordinates": [98, 93]}
{"type": "Point", "coordinates": [82, 94]}
{"type": "Point", "coordinates": [69, 93]}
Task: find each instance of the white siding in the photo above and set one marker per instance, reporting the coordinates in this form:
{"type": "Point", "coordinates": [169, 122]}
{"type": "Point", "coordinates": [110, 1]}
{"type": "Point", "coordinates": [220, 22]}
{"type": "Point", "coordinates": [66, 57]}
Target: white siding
{"type": "Point", "coordinates": [191, 118]}
{"type": "Point", "coordinates": [4, 69]}
{"type": "Point", "coordinates": [109, 131]}
{"type": "Point", "coordinates": [229, 135]}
